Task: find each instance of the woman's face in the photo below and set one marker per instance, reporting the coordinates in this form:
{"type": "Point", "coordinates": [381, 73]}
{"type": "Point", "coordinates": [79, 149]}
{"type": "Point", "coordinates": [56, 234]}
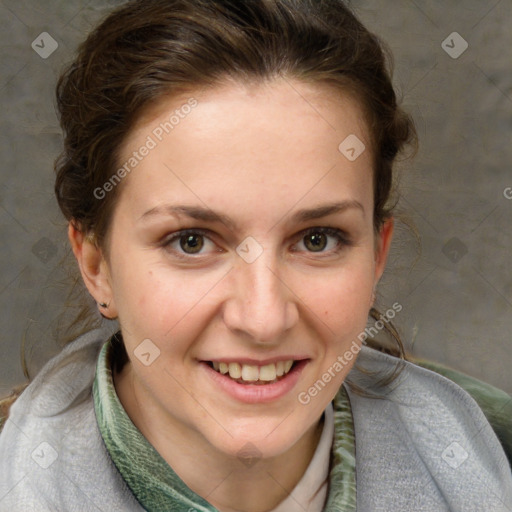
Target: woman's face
{"type": "Point", "coordinates": [243, 239]}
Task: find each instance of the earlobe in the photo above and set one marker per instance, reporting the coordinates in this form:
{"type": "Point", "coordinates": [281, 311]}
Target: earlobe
{"type": "Point", "coordinates": [94, 270]}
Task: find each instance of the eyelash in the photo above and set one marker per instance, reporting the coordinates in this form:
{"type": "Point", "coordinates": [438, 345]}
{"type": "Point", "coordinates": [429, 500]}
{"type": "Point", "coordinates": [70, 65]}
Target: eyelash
{"type": "Point", "coordinates": [342, 239]}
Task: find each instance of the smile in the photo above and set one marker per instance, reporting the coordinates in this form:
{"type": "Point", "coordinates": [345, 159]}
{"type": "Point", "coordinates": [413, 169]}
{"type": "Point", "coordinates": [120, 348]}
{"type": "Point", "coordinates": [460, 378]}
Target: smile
{"type": "Point", "coordinates": [253, 374]}
{"type": "Point", "coordinates": [252, 383]}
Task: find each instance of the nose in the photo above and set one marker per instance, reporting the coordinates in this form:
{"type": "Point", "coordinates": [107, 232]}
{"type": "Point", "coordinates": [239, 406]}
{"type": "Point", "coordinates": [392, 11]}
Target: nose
{"type": "Point", "coordinates": [261, 305]}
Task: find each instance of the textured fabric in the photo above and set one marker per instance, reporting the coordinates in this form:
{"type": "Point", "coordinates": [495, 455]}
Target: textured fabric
{"type": "Point", "coordinates": [423, 444]}
{"type": "Point", "coordinates": [342, 477]}
{"type": "Point", "coordinates": [408, 441]}
{"type": "Point", "coordinates": [157, 487]}
{"type": "Point", "coordinates": [52, 456]}
{"type": "Point", "coordinates": [495, 403]}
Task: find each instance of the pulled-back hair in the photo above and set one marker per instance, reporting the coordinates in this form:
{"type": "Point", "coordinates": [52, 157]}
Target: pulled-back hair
{"type": "Point", "coordinates": [149, 49]}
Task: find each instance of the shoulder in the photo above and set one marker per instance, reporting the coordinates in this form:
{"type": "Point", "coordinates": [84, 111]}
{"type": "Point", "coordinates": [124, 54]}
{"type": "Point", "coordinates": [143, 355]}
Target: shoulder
{"type": "Point", "coordinates": [6, 403]}
{"type": "Point", "coordinates": [63, 382]}
{"type": "Point", "coordinates": [51, 452]}
{"type": "Point", "coordinates": [423, 439]}
{"type": "Point", "coordinates": [495, 403]}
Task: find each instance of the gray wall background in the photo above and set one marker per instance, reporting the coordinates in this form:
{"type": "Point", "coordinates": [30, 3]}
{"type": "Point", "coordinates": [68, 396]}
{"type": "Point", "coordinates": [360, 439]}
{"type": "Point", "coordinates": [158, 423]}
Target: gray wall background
{"type": "Point", "coordinates": [456, 294]}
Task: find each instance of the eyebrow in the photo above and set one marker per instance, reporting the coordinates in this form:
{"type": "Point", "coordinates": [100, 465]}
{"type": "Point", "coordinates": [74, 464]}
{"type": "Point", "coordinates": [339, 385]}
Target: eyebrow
{"type": "Point", "coordinates": [208, 215]}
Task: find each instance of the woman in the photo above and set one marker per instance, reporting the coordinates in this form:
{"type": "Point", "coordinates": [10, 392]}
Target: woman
{"type": "Point", "coordinates": [226, 177]}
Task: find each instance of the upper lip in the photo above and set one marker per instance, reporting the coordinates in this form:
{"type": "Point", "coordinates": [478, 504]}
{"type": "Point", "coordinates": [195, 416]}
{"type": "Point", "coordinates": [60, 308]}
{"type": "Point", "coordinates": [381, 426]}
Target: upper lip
{"type": "Point", "coordinates": [255, 362]}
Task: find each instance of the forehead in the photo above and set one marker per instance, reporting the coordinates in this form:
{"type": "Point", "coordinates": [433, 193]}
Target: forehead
{"type": "Point", "coordinates": [280, 139]}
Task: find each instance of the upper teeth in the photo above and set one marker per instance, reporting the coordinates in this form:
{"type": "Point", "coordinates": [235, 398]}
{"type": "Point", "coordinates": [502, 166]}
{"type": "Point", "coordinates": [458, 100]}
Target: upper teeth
{"type": "Point", "coordinates": [252, 373]}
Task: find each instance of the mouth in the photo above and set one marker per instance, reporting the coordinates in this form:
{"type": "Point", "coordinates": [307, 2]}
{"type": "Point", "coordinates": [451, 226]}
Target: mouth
{"type": "Point", "coordinates": [251, 374]}
{"type": "Point", "coordinates": [255, 382]}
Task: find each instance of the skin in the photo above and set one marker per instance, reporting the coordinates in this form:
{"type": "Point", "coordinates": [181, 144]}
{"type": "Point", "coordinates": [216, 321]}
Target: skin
{"type": "Point", "coordinates": [257, 154]}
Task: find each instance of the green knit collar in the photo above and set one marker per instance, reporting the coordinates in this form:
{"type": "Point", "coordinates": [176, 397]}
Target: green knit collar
{"type": "Point", "coordinates": [157, 487]}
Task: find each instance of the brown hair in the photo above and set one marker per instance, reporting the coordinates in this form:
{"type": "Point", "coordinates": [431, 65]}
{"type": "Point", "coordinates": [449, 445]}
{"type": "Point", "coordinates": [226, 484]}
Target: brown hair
{"type": "Point", "coordinates": [149, 49]}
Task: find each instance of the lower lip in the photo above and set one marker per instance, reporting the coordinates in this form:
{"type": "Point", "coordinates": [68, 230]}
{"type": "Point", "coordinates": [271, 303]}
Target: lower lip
{"type": "Point", "coordinates": [257, 393]}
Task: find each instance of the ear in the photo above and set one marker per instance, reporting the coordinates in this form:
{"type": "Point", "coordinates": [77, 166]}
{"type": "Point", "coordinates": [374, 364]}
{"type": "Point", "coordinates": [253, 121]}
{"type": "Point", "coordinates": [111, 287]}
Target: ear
{"type": "Point", "coordinates": [94, 270]}
{"type": "Point", "coordinates": [383, 243]}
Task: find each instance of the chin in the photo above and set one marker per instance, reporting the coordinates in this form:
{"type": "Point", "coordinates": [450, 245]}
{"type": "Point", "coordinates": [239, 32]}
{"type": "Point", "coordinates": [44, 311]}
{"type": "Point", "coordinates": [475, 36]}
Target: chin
{"type": "Point", "coordinates": [260, 439]}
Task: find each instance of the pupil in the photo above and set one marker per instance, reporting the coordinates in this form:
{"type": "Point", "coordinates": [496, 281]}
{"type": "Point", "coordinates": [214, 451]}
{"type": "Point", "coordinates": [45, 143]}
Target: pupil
{"type": "Point", "coordinates": [192, 243]}
{"type": "Point", "coordinates": [316, 242]}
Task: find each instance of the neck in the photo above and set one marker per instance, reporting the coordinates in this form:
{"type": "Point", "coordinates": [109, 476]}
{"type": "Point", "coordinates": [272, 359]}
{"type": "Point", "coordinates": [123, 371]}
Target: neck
{"type": "Point", "coordinates": [221, 479]}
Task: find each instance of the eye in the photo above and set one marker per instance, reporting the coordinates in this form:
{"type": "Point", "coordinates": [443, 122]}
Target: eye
{"type": "Point", "coordinates": [189, 243]}
{"type": "Point", "coordinates": [323, 239]}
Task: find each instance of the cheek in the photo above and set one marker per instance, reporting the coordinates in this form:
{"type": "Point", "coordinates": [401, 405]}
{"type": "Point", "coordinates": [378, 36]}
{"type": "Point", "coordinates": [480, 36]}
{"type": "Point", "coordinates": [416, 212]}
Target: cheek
{"type": "Point", "coordinates": [161, 304]}
{"type": "Point", "coordinates": [343, 298]}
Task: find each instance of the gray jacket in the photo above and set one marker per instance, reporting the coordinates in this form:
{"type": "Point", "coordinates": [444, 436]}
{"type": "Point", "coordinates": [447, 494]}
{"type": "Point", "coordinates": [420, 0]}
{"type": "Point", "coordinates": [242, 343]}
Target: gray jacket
{"type": "Point", "coordinates": [424, 445]}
